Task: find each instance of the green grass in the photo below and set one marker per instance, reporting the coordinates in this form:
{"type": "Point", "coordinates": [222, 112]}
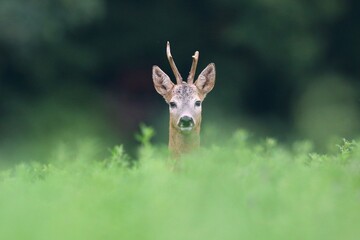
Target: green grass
{"type": "Point", "coordinates": [236, 190]}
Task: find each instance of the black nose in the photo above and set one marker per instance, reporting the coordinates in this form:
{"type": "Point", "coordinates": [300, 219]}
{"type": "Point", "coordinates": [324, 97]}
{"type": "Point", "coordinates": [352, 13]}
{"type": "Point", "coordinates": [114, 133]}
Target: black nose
{"type": "Point", "coordinates": [186, 121]}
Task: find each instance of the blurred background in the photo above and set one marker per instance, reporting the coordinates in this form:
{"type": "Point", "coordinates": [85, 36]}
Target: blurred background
{"type": "Point", "coordinates": [74, 71]}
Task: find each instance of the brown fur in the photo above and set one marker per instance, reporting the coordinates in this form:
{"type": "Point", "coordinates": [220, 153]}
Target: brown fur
{"type": "Point", "coordinates": [185, 95]}
{"type": "Point", "coordinates": [180, 143]}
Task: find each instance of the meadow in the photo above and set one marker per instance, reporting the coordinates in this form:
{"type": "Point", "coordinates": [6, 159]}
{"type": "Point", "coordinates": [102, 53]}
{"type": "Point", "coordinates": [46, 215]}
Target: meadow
{"type": "Point", "coordinates": [239, 189]}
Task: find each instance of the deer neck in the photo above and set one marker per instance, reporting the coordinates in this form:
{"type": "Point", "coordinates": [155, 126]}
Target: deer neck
{"type": "Point", "coordinates": [180, 143]}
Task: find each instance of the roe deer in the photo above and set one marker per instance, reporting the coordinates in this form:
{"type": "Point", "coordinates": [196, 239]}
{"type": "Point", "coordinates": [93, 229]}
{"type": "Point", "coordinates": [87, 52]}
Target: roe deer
{"type": "Point", "coordinates": [185, 100]}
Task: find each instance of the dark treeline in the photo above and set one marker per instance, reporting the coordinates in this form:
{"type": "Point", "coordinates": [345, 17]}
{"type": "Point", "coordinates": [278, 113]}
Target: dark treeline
{"type": "Point", "coordinates": [284, 68]}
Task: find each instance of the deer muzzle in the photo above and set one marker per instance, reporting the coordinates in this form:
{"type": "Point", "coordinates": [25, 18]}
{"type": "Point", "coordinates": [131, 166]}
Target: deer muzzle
{"type": "Point", "coordinates": [186, 124]}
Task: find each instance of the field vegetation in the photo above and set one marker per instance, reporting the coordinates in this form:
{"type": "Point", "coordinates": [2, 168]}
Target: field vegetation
{"type": "Point", "coordinates": [239, 189]}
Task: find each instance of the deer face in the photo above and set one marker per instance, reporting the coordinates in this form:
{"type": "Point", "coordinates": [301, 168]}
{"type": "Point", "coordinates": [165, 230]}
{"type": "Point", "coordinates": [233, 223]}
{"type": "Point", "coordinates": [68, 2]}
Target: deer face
{"type": "Point", "coordinates": [185, 107]}
{"type": "Point", "coordinates": [184, 98]}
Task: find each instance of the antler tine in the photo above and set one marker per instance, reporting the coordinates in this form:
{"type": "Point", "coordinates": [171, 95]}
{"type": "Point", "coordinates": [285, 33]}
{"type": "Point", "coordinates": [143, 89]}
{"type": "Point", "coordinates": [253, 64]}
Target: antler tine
{"type": "Point", "coordinates": [193, 68]}
{"type": "Point", "coordinates": [172, 64]}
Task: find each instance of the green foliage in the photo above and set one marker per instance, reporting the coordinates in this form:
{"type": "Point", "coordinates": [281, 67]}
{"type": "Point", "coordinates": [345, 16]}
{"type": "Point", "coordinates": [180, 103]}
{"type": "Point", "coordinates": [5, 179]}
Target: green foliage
{"type": "Point", "coordinates": [347, 149]}
{"type": "Point", "coordinates": [145, 135]}
{"type": "Point", "coordinates": [240, 189]}
{"type": "Point", "coordinates": [118, 158]}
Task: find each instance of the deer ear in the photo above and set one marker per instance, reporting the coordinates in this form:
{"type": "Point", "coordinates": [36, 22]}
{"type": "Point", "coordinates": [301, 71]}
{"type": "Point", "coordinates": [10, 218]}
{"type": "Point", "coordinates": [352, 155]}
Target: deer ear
{"type": "Point", "coordinates": [206, 79]}
{"type": "Point", "coordinates": [162, 82]}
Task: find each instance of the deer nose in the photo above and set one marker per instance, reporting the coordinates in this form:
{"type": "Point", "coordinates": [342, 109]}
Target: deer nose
{"type": "Point", "coordinates": [186, 121]}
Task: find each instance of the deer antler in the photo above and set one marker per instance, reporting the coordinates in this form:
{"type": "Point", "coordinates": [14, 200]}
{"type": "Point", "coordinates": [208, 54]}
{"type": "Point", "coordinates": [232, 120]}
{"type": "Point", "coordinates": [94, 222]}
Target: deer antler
{"type": "Point", "coordinates": [193, 68]}
{"type": "Point", "coordinates": [172, 64]}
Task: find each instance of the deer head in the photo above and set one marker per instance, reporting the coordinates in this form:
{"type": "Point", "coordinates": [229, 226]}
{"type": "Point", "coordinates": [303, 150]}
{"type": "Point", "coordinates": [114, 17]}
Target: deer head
{"type": "Point", "coordinates": [185, 101]}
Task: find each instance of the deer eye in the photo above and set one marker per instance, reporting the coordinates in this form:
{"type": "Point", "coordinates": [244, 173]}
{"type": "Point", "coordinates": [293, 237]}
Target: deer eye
{"type": "Point", "coordinates": [172, 104]}
{"type": "Point", "coordinates": [198, 103]}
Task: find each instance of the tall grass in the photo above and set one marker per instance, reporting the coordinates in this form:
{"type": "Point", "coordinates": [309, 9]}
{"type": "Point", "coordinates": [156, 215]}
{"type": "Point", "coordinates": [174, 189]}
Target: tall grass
{"type": "Point", "coordinates": [236, 190]}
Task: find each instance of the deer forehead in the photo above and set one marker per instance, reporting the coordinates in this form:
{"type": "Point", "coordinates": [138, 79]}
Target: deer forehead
{"type": "Point", "coordinates": [185, 92]}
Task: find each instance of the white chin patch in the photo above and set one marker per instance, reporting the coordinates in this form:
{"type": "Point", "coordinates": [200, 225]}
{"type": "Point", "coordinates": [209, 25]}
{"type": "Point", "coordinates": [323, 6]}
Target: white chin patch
{"type": "Point", "coordinates": [186, 129]}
